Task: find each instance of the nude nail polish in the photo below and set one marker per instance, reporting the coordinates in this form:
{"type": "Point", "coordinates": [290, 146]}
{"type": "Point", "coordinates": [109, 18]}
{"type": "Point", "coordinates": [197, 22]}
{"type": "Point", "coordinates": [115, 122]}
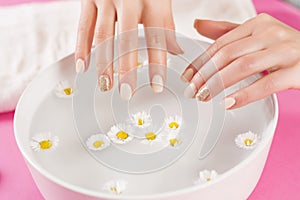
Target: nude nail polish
{"type": "Point", "coordinates": [80, 66]}
{"type": "Point", "coordinates": [157, 84]}
{"type": "Point", "coordinates": [229, 102]}
{"type": "Point", "coordinates": [187, 75]}
{"type": "Point", "coordinates": [190, 91]}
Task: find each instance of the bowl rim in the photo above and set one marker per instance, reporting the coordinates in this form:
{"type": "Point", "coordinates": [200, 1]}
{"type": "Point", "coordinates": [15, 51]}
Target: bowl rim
{"type": "Point", "coordinates": [43, 172]}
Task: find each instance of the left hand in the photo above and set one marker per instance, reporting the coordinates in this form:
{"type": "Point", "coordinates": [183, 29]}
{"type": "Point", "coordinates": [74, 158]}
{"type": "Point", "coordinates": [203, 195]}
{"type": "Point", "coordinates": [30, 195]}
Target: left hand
{"type": "Point", "coordinates": [262, 44]}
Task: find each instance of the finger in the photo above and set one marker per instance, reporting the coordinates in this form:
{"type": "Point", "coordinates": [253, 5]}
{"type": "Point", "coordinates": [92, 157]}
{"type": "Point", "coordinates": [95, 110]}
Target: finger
{"type": "Point", "coordinates": [172, 45]}
{"type": "Point", "coordinates": [222, 58]}
{"type": "Point", "coordinates": [85, 35]}
{"type": "Point", "coordinates": [274, 82]}
{"type": "Point", "coordinates": [104, 32]}
{"type": "Point", "coordinates": [127, 49]}
{"type": "Point", "coordinates": [237, 33]}
{"type": "Point", "coordinates": [213, 29]}
{"type": "Point", "coordinates": [157, 54]}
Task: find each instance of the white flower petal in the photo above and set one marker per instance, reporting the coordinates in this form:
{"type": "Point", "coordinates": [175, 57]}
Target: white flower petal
{"type": "Point", "coordinates": [141, 119]}
{"type": "Point", "coordinates": [64, 89]}
{"type": "Point", "coordinates": [246, 140]}
{"type": "Point", "coordinates": [173, 123]}
{"type": "Point", "coordinates": [206, 176]}
{"type": "Point", "coordinates": [115, 130]}
{"type": "Point", "coordinates": [116, 187]}
{"type": "Point", "coordinates": [98, 142]}
{"type": "Point", "coordinates": [44, 142]}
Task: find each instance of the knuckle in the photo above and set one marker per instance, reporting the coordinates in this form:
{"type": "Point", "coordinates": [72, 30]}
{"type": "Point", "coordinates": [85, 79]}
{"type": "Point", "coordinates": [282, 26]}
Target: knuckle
{"type": "Point", "coordinates": [264, 17]}
{"type": "Point", "coordinates": [294, 51]}
{"type": "Point", "coordinates": [271, 85]}
{"type": "Point", "coordinates": [216, 46]}
{"type": "Point", "coordinates": [101, 34]}
{"type": "Point", "coordinates": [246, 64]}
{"type": "Point", "coordinates": [242, 98]}
{"type": "Point", "coordinates": [281, 34]}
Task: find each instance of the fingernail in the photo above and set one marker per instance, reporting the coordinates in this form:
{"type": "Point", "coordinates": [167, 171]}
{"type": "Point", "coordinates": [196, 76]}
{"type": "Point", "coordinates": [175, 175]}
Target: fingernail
{"type": "Point", "coordinates": [104, 83]}
{"type": "Point", "coordinates": [125, 91]}
{"type": "Point", "coordinates": [80, 66]}
{"type": "Point", "coordinates": [190, 91]}
{"type": "Point", "coordinates": [229, 102]}
{"type": "Point", "coordinates": [202, 94]}
{"type": "Point", "coordinates": [187, 75]}
{"type": "Point", "coordinates": [157, 84]}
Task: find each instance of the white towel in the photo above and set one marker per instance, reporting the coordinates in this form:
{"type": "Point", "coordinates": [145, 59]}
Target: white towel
{"type": "Point", "coordinates": [32, 36]}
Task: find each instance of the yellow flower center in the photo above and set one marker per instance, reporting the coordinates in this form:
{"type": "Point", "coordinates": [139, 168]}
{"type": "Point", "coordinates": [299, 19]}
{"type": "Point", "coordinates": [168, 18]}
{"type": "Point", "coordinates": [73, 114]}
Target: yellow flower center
{"type": "Point", "coordinates": [122, 135]}
{"type": "Point", "coordinates": [208, 179]}
{"type": "Point", "coordinates": [140, 121]}
{"type": "Point", "coordinates": [45, 144]}
{"type": "Point", "coordinates": [150, 136]}
{"type": "Point", "coordinates": [174, 125]}
{"type": "Point", "coordinates": [174, 141]}
{"type": "Point", "coordinates": [98, 143]}
{"type": "Point", "coordinates": [248, 142]}
{"type": "Point", "coordinates": [68, 91]}
{"type": "Point", "coordinates": [114, 189]}
{"type": "Point", "coordinates": [139, 64]}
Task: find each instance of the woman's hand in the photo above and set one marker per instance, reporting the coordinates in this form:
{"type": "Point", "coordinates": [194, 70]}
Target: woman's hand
{"type": "Point", "coordinates": [97, 22]}
{"type": "Point", "coordinates": [262, 44]}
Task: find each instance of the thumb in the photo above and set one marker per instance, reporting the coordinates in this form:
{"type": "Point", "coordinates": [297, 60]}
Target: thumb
{"type": "Point", "coordinates": [213, 29]}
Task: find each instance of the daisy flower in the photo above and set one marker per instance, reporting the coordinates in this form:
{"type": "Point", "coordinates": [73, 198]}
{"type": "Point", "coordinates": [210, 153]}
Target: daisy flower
{"type": "Point", "coordinates": [173, 123]}
{"type": "Point", "coordinates": [141, 119]}
{"type": "Point", "coordinates": [98, 142]}
{"type": "Point", "coordinates": [44, 142]}
{"type": "Point", "coordinates": [64, 89]}
{"type": "Point", "coordinates": [246, 140]}
{"type": "Point", "coordinates": [174, 142]}
{"type": "Point", "coordinates": [206, 176]}
{"type": "Point", "coordinates": [118, 134]}
{"type": "Point", "coordinates": [152, 135]}
{"type": "Point", "coordinates": [116, 187]}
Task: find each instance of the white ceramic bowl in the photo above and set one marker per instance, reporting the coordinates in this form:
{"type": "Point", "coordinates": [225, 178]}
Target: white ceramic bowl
{"type": "Point", "coordinates": [72, 171]}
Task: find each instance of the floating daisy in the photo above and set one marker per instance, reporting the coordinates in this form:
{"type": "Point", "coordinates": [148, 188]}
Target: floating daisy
{"type": "Point", "coordinates": [246, 140]}
{"type": "Point", "coordinates": [206, 176]}
{"type": "Point", "coordinates": [64, 89]}
{"type": "Point", "coordinates": [98, 142]}
{"type": "Point", "coordinates": [116, 187]}
{"type": "Point", "coordinates": [141, 119]}
{"type": "Point", "coordinates": [173, 123]}
{"type": "Point", "coordinates": [152, 135]}
{"type": "Point", "coordinates": [174, 142]}
{"type": "Point", "coordinates": [44, 142]}
{"type": "Point", "coordinates": [118, 134]}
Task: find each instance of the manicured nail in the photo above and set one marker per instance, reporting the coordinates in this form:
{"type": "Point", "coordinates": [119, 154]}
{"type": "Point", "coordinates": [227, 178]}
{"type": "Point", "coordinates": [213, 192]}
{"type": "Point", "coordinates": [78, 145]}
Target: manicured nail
{"type": "Point", "coordinates": [80, 66]}
{"type": "Point", "coordinates": [190, 91]}
{"type": "Point", "coordinates": [187, 75]}
{"type": "Point", "coordinates": [157, 84]}
{"type": "Point", "coordinates": [125, 91]}
{"type": "Point", "coordinates": [229, 102]}
{"type": "Point", "coordinates": [104, 83]}
{"type": "Point", "coordinates": [202, 94]}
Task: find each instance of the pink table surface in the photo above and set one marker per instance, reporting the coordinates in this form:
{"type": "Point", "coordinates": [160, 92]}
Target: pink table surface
{"type": "Point", "coordinates": [280, 179]}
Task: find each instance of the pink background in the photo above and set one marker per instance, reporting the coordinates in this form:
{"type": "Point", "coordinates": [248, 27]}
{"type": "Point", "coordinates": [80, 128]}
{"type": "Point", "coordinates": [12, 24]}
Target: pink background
{"type": "Point", "coordinates": [280, 179]}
